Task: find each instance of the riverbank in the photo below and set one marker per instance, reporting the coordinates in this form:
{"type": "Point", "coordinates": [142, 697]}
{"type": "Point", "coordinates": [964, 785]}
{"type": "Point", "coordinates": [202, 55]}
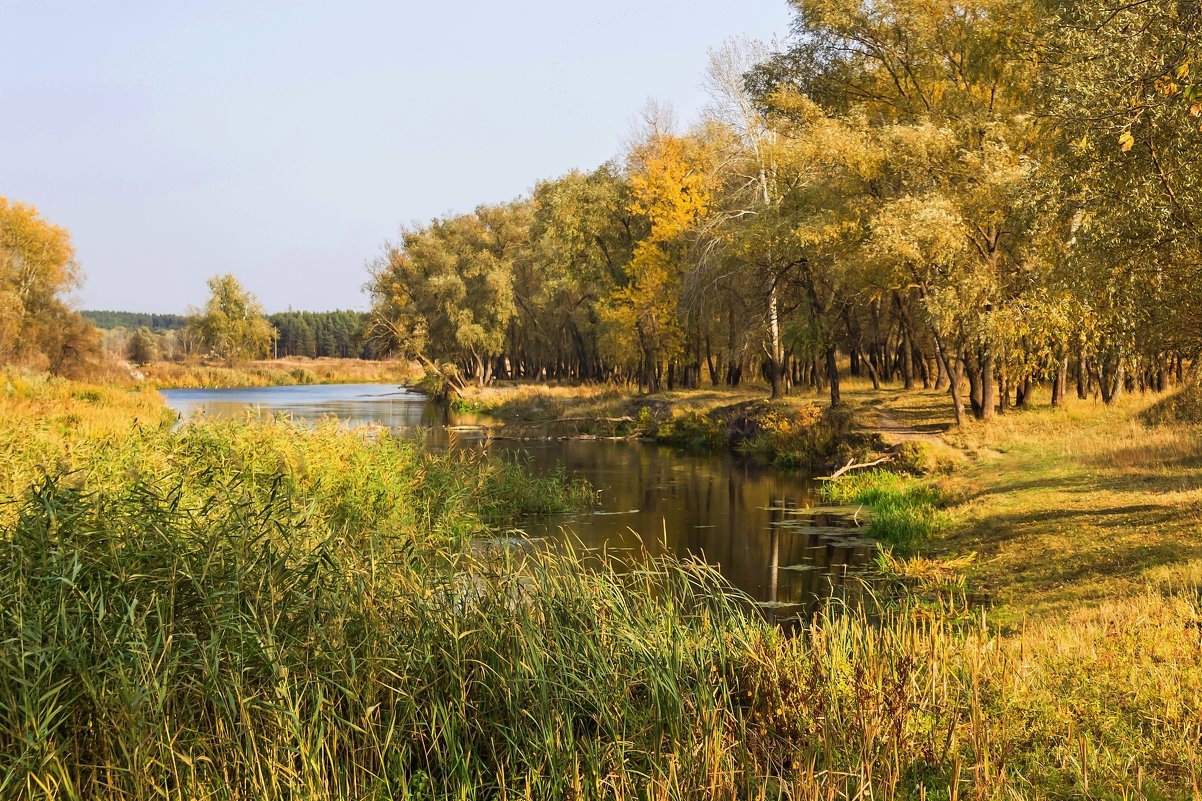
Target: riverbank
{"type": "Point", "coordinates": [790, 432]}
{"type": "Point", "coordinates": [1044, 510]}
{"type": "Point", "coordinates": [1077, 532]}
{"type": "Point", "coordinates": [276, 372]}
{"type": "Point", "coordinates": [255, 610]}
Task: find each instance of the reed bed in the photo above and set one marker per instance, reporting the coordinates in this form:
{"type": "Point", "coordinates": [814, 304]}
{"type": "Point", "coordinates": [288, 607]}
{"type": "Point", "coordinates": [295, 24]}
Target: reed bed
{"type": "Point", "coordinates": [260, 611]}
{"type": "Point", "coordinates": [155, 647]}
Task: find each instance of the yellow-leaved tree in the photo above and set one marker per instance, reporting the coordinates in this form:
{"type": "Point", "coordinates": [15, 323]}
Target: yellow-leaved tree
{"type": "Point", "coordinates": [672, 187]}
{"type": "Point", "coordinates": [38, 328]}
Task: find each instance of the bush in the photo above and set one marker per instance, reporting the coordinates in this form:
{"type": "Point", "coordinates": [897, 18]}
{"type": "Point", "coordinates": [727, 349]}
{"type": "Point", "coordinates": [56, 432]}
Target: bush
{"type": "Point", "coordinates": [691, 430]}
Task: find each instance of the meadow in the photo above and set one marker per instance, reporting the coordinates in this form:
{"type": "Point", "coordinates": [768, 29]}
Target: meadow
{"type": "Point", "coordinates": [254, 610]}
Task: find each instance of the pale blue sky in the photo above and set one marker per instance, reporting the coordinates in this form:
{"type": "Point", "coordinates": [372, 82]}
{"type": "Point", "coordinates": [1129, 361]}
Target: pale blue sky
{"type": "Point", "coordinates": [285, 142]}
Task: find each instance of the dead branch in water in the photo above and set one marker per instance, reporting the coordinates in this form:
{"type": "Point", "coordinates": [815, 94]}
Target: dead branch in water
{"type": "Point", "coordinates": [847, 468]}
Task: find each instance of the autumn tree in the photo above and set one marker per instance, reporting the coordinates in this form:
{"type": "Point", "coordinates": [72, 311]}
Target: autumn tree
{"type": "Point", "coordinates": [753, 232]}
{"type": "Point", "coordinates": [583, 234]}
{"type": "Point", "coordinates": [1121, 85]}
{"type": "Point", "coordinates": [232, 326]}
{"type": "Point", "coordinates": [143, 347]}
{"type": "Point", "coordinates": [672, 185]}
{"type": "Point", "coordinates": [958, 68]}
{"type": "Point", "coordinates": [445, 294]}
{"type": "Point", "coordinates": [37, 270]}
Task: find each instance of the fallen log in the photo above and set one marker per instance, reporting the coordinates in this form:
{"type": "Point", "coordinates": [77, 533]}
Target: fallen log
{"type": "Point", "coordinates": [851, 465]}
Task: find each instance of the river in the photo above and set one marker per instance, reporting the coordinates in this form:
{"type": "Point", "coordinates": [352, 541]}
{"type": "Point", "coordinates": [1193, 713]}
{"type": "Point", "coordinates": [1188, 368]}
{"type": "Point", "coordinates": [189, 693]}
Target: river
{"type": "Point", "coordinates": [761, 527]}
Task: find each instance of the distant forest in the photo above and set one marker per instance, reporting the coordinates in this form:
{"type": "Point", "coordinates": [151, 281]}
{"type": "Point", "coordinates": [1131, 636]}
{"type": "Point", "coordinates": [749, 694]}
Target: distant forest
{"type": "Point", "coordinates": [298, 333]}
{"type": "Point", "coordinates": [108, 320]}
{"type": "Point", "coordinates": [316, 334]}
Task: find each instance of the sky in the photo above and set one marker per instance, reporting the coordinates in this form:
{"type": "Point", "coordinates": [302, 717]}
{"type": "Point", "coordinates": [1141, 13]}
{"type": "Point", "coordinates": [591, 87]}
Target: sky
{"type": "Point", "coordinates": [287, 141]}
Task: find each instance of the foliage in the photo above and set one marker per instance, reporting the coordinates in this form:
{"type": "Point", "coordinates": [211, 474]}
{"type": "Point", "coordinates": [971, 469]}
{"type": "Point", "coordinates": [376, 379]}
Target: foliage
{"type": "Point", "coordinates": [231, 324]}
{"type": "Point", "coordinates": [37, 269]}
{"type": "Point", "coordinates": [446, 292]}
{"type": "Point", "coordinates": [107, 320]}
{"type": "Point", "coordinates": [692, 430]}
{"type": "Point", "coordinates": [143, 347]}
{"type": "Point", "coordinates": [336, 334]}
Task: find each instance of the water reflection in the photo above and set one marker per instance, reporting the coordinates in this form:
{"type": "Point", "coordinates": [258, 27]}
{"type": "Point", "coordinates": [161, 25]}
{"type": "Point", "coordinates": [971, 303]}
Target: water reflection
{"type": "Point", "coordinates": [756, 524]}
{"type": "Point", "coordinates": [358, 404]}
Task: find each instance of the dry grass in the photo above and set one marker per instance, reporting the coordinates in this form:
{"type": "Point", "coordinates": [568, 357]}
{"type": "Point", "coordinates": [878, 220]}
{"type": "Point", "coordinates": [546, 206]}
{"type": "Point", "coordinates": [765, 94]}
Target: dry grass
{"type": "Point", "coordinates": [278, 372]}
{"type": "Point", "coordinates": [256, 611]}
{"type": "Point", "coordinates": [1066, 508]}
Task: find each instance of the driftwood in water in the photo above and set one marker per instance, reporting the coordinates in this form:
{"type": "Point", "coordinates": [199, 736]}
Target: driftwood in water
{"type": "Point", "coordinates": [847, 468]}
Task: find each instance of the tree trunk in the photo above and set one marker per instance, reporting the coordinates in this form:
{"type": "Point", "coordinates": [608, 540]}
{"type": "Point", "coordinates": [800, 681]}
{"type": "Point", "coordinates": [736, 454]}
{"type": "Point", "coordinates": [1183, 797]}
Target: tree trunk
{"type": "Point", "coordinates": [1082, 375]}
{"type": "Point", "coordinates": [953, 379]}
{"type": "Point", "coordinates": [972, 369]}
{"type": "Point", "coordinates": [832, 374]}
{"type": "Point", "coordinates": [988, 384]}
{"type": "Point", "coordinates": [872, 373]}
{"type": "Point", "coordinates": [776, 356]}
{"type": "Point", "coordinates": [709, 363]}
{"type": "Point", "coordinates": [1060, 383]}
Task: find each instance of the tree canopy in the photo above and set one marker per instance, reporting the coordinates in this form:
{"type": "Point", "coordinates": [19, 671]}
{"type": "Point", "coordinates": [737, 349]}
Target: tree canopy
{"type": "Point", "coordinates": [38, 270]}
{"type": "Point", "coordinates": [992, 194]}
{"type": "Point", "coordinates": [232, 326]}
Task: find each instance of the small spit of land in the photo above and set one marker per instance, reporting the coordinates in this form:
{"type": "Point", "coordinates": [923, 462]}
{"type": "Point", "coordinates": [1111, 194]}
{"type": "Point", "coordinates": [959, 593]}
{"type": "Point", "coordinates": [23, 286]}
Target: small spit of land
{"type": "Point", "coordinates": [272, 372]}
{"type": "Point", "coordinates": [258, 610]}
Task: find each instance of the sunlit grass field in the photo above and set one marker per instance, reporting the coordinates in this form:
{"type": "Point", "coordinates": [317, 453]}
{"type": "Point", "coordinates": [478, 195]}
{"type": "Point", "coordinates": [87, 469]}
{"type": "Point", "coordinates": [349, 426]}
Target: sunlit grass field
{"type": "Point", "coordinates": [254, 610]}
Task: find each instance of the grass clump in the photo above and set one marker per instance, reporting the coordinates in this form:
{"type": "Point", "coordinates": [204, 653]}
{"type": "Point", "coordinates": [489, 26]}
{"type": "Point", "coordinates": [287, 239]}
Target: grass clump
{"type": "Point", "coordinates": [906, 512]}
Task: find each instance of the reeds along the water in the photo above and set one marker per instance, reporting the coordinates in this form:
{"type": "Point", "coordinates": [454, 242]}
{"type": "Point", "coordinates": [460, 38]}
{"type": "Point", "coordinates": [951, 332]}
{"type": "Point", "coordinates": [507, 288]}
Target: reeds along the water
{"type": "Point", "coordinates": [260, 612]}
{"type": "Point", "coordinates": [157, 642]}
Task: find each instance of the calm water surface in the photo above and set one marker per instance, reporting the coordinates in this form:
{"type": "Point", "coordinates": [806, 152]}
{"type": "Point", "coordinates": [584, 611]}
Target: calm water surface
{"type": "Point", "coordinates": [758, 525]}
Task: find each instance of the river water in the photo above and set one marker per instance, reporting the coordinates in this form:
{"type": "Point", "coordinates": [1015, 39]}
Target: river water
{"type": "Point", "coordinates": [761, 527]}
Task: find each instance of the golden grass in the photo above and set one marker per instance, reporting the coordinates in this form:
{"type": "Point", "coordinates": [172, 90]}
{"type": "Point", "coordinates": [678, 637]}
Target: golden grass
{"type": "Point", "coordinates": [278, 372]}
{"type": "Point", "coordinates": [281, 623]}
{"type": "Point", "coordinates": [1066, 508]}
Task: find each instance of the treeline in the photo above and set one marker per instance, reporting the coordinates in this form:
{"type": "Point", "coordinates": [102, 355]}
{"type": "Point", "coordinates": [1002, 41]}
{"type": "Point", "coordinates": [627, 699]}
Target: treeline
{"type": "Point", "coordinates": [982, 196]}
{"type": "Point", "coordinates": [218, 332]}
{"type": "Point", "coordinates": [108, 320]}
{"type": "Point", "coordinates": [320, 334]}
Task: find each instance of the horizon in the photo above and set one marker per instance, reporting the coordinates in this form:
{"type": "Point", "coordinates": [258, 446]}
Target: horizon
{"type": "Point", "coordinates": [277, 143]}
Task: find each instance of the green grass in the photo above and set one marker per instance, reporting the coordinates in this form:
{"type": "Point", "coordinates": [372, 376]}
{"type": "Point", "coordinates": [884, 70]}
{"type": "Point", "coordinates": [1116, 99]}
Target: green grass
{"type": "Point", "coordinates": [262, 611]}
{"type": "Point", "coordinates": [905, 511]}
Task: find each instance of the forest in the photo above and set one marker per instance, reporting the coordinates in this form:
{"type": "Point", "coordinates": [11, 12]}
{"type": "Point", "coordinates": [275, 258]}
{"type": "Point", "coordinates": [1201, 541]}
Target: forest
{"type": "Point", "coordinates": [1003, 193]}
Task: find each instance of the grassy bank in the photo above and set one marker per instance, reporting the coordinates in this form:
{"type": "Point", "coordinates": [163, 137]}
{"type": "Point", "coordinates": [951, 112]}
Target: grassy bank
{"type": "Point", "coordinates": [793, 432]}
{"type": "Point", "coordinates": [259, 611]}
{"type": "Point", "coordinates": [277, 372]}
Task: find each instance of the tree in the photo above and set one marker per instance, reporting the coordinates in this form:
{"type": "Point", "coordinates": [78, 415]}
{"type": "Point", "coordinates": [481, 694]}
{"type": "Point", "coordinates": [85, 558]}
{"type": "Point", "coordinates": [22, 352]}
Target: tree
{"type": "Point", "coordinates": [143, 347]}
{"type": "Point", "coordinates": [231, 326]}
{"type": "Point", "coordinates": [37, 270]}
{"type": "Point", "coordinates": [672, 184]}
{"type": "Point", "coordinates": [446, 293]}
{"type": "Point", "coordinates": [1121, 86]}
{"type": "Point", "coordinates": [901, 69]}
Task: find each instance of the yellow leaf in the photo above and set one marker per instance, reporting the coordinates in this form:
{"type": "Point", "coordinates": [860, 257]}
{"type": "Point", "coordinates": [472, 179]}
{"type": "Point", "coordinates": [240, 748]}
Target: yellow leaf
{"type": "Point", "coordinates": [1126, 141]}
{"type": "Point", "coordinates": [1183, 70]}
